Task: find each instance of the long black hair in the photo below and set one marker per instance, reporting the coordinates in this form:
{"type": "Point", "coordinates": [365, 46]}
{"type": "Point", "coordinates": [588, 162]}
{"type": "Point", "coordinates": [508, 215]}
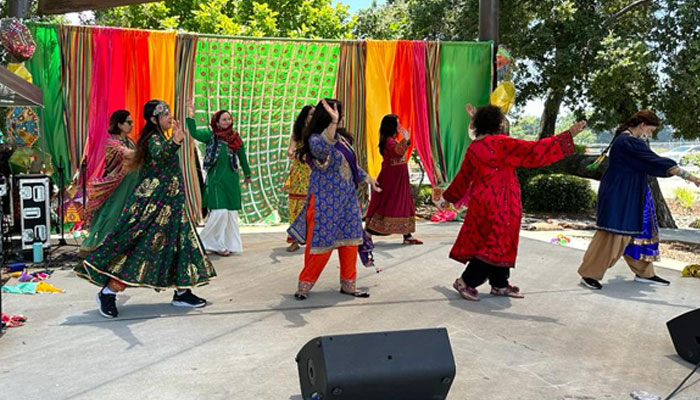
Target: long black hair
{"type": "Point", "coordinates": [298, 130]}
{"type": "Point", "coordinates": [154, 108]}
{"type": "Point", "coordinates": [387, 129]}
{"type": "Point", "coordinates": [641, 117]}
{"type": "Point", "coordinates": [118, 117]}
{"type": "Point", "coordinates": [319, 122]}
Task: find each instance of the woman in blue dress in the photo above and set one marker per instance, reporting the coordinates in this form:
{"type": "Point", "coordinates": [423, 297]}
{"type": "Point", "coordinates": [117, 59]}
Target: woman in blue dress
{"type": "Point", "coordinates": [626, 218]}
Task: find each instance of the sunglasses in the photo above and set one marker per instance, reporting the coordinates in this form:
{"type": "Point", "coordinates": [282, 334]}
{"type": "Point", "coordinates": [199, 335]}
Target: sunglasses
{"type": "Point", "coordinates": [129, 122]}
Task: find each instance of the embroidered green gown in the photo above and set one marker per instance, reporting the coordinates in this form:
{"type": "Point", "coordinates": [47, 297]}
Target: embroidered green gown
{"type": "Point", "coordinates": [154, 243]}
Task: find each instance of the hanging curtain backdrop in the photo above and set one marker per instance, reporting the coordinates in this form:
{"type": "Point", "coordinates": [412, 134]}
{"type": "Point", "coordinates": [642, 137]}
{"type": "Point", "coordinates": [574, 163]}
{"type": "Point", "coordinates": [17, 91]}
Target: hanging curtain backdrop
{"type": "Point", "coordinates": [379, 74]}
{"type": "Point", "coordinates": [350, 90]}
{"type": "Point", "coordinates": [137, 76]}
{"type": "Point", "coordinates": [45, 67]}
{"type": "Point", "coordinates": [264, 84]}
{"type": "Point", "coordinates": [402, 91]}
{"type": "Point", "coordinates": [432, 89]}
{"type": "Point", "coordinates": [465, 73]}
{"type": "Point", "coordinates": [185, 48]}
{"type": "Point", "coordinates": [161, 59]}
{"type": "Point", "coordinates": [420, 124]}
{"type": "Point", "coordinates": [76, 72]}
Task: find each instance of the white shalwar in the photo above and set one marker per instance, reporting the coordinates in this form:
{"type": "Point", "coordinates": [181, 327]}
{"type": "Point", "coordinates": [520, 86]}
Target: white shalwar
{"type": "Point", "coordinates": [221, 232]}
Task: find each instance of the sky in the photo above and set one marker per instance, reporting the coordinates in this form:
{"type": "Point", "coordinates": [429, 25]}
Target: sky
{"type": "Point", "coordinates": [356, 5]}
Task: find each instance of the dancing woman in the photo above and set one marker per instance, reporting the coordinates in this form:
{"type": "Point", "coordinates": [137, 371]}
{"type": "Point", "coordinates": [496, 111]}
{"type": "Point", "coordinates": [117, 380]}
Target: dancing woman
{"type": "Point", "coordinates": [154, 243]}
{"type": "Point", "coordinates": [331, 217]}
{"type": "Point", "coordinates": [392, 210]}
{"type": "Point", "coordinates": [488, 240]}
{"type": "Point", "coordinates": [107, 194]}
{"type": "Point", "coordinates": [297, 184]}
{"type": "Point", "coordinates": [225, 157]}
{"type": "Point", "coordinates": [626, 217]}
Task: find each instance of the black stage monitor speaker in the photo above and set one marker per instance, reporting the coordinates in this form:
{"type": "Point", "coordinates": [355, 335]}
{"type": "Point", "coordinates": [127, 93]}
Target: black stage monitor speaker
{"type": "Point", "coordinates": [401, 365]}
{"type": "Point", "coordinates": [685, 333]}
{"type": "Point", "coordinates": [33, 195]}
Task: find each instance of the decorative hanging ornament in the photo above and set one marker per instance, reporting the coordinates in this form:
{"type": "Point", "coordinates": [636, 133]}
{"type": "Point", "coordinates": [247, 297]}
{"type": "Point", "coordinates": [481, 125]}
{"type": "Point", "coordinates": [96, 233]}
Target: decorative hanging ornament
{"type": "Point", "coordinates": [504, 96]}
{"type": "Point", "coordinates": [17, 39]}
{"type": "Point", "coordinates": [504, 64]}
{"type": "Point", "coordinates": [21, 71]}
{"type": "Point", "coordinates": [22, 126]}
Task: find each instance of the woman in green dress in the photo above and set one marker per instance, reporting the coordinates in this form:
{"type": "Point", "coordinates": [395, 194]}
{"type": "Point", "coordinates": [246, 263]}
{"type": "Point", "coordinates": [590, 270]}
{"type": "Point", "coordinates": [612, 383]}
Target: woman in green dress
{"type": "Point", "coordinates": [225, 156]}
{"type": "Point", "coordinates": [154, 243]}
{"type": "Point", "coordinates": [107, 195]}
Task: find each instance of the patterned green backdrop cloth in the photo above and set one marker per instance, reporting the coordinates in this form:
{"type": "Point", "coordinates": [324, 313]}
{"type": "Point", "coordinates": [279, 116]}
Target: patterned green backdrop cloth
{"type": "Point", "coordinates": [264, 84]}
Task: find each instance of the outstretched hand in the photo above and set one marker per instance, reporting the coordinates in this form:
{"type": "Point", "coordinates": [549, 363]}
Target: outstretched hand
{"type": "Point", "coordinates": [190, 109]}
{"type": "Point", "coordinates": [333, 112]}
{"type": "Point", "coordinates": [471, 110]}
{"type": "Point", "coordinates": [178, 132]}
{"type": "Point", "coordinates": [577, 127]}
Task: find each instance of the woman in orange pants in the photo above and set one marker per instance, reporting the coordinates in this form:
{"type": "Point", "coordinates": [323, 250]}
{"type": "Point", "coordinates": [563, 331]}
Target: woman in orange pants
{"type": "Point", "coordinates": [331, 218]}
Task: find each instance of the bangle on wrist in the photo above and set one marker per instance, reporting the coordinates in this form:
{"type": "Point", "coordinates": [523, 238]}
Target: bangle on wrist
{"type": "Point", "coordinates": [683, 173]}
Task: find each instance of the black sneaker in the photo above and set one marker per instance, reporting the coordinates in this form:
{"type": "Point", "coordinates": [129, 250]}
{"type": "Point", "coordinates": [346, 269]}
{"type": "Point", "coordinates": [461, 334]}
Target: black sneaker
{"type": "Point", "coordinates": [107, 304]}
{"type": "Point", "coordinates": [188, 299]}
{"type": "Point", "coordinates": [591, 283]}
{"type": "Point", "coordinates": [654, 280]}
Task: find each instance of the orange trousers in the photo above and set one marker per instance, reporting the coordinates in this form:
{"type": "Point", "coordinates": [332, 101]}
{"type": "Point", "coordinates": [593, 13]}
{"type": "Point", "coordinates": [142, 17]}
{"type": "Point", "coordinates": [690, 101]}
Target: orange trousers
{"type": "Point", "coordinates": [315, 263]}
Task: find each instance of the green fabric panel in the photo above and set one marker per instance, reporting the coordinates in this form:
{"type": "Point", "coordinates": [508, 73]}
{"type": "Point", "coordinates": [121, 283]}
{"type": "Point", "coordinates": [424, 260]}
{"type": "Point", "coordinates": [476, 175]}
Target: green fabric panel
{"type": "Point", "coordinates": [45, 67]}
{"type": "Point", "coordinates": [465, 77]}
{"type": "Point", "coordinates": [264, 84]}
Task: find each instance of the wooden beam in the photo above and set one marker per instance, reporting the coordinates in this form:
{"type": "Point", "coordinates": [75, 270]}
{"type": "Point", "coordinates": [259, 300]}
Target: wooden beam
{"type": "Point", "coordinates": [68, 6]}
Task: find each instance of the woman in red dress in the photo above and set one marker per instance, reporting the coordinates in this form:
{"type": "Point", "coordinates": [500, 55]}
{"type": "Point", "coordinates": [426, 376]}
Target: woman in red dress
{"type": "Point", "coordinates": [392, 210]}
{"type": "Point", "coordinates": [488, 240]}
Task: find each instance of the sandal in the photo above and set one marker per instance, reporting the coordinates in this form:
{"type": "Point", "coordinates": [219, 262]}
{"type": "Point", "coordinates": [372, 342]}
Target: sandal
{"type": "Point", "coordinates": [465, 291]}
{"type": "Point", "coordinates": [301, 296]}
{"type": "Point", "coordinates": [293, 247]}
{"type": "Point", "coordinates": [356, 293]}
{"type": "Point", "coordinates": [412, 240]}
{"type": "Point", "coordinates": [509, 291]}
{"type": "Point", "coordinates": [348, 288]}
{"type": "Point", "coordinates": [224, 253]}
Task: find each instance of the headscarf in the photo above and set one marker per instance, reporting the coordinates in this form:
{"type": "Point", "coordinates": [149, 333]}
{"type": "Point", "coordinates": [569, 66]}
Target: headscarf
{"type": "Point", "coordinates": [228, 135]}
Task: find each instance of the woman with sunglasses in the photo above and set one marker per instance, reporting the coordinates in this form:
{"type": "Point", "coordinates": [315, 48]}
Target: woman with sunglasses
{"type": "Point", "coordinates": [108, 193]}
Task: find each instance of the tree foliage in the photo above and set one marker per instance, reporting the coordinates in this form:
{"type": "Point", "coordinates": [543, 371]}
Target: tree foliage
{"type": "Point", "coordinates": [274, 18]}
{"type": "Point", "coordinates": [611, 57]}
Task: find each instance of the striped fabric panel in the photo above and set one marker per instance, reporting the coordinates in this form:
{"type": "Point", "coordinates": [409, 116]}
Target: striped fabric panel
{"type": "Point", "coordinates": [76, 73]}
{"type": "Point", "coordinates": [433, 91]}
{"type": "Point", "coordinates": [185, 50]}
{"type": "Point", "coordinates": [350, 90]}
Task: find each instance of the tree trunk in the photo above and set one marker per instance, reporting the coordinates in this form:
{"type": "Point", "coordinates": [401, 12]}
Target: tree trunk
{"type": "Point", "coordinates": [663, 213]}
{"type": "Point", "coordinates": [548, 122]}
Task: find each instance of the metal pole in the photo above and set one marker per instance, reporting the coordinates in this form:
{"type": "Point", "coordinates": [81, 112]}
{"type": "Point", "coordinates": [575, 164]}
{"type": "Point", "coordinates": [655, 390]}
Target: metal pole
{"type": "Point", "coordinates": [18, 8]}
{"type": "Point", "coordinates": [489, 11]}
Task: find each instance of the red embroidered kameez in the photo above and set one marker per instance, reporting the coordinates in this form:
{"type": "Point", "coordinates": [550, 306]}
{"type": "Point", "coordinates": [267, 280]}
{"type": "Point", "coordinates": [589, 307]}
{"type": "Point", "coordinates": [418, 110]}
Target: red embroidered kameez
{"type": "Point", "coordinates": [491, 228]}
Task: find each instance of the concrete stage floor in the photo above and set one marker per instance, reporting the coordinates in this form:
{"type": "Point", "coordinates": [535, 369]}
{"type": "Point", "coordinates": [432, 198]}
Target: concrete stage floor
{"type": "Point", "coordinates": [561, 342]}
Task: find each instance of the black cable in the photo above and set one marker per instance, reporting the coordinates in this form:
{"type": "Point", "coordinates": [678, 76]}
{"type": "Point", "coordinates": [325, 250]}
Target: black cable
{"type": "Point", "coordinates": [683, 383]}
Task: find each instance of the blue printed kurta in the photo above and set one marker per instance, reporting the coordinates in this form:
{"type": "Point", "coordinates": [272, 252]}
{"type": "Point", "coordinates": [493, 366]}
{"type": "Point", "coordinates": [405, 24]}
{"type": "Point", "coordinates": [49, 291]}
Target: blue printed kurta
{"type": "Point", "coordinates": [337, 217]}
{"type": "Point", "coordinates": [623, 189]}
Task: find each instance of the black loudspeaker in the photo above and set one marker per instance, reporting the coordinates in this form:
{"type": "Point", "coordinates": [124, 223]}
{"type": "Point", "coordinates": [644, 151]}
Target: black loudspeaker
{"type": "Point", "coordinates": [685, 333]}
{"type": "Point", "coordinates": [32, 199]}
{"type": "Point", "coordinates": [401, 365]}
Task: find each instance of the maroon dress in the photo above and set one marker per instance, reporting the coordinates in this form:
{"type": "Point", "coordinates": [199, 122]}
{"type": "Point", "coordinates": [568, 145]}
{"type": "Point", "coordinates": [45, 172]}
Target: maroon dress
{"type": "Point", "coordinates": [392, 210]}
{"type": "Point", "coordinates": [491, 228]}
